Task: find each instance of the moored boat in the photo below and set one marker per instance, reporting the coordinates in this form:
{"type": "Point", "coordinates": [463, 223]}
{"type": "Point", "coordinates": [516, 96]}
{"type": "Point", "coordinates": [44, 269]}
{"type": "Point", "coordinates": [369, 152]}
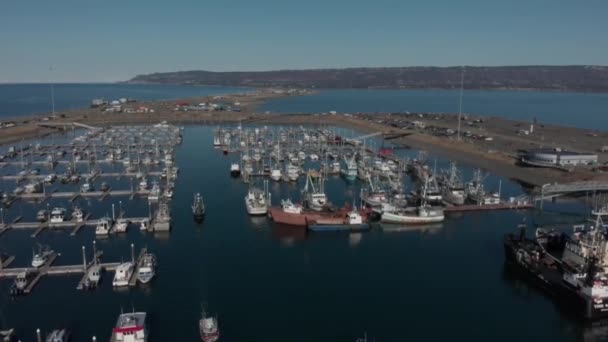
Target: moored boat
{"type": "Point", "coordinates": [130, 327]}
{"type": "Point", "coordinates": [208, 328]}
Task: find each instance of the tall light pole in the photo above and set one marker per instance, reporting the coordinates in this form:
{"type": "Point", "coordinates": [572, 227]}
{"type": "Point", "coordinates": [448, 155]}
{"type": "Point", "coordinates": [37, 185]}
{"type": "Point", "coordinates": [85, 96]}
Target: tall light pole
{"type": "Point", "coordinates": [460, 105]}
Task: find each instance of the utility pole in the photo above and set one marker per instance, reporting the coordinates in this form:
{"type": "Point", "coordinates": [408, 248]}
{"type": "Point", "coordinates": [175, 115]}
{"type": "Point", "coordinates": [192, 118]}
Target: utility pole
{"type": "Point", "coordinates": [460, 105]}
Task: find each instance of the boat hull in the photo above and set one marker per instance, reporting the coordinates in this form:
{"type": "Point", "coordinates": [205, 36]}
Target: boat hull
{"type": "Point", "coordinates": [410, 219]}
{"type": "Point", "coordinates": [339, 227]}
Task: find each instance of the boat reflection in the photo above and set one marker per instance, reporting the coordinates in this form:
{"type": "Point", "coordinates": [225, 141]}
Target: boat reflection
{"type": "Point", "coordinates": [288, 235]}
{"type": "Point", "coordinates": [432, 228]}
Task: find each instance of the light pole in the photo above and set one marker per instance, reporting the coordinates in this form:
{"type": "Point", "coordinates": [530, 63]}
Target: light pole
{"type": "Point", "coordinates": [460, 105]}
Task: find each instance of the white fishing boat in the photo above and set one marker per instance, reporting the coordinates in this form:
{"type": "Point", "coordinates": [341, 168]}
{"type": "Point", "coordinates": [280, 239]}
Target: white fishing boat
{"type": "Point", "coordinates": [413, 215]}
{"type": "Point", "coordinates": [147, 269]}
{"type": "Point", "coordinates": [57, 215]}
{"type": "Point", "coordinates": [43, 255]}
{"type": "Point", "coordinates": [20, 283]}
{"type": "Point", "coordinates": [198, 207]}
{"type": "Point", "coordinates": [288, 207]}
{"type": "Point", "coordinates": [123, 274]}
{"type": "Point", "coordinates": [350, 170]}
{"type": "Point", "coordinates": [293, 172]}
{"type": "Point", "coordinates": [103, 227]}
{"type": "Point", "coordinates": [314, 194]}
{"type": "Point", "coordinates": [162, 219]}
{"type": "Point", "coordinates": [475, 189]}
{"type": "Point", "coordinates": [33, 187]}
{"type": "Point", "coordinates": [86, 187]}
{"type": "Point", "coordinates": [121, 225]}
{"type": "Point", "coordinates": [257, 201]}
{"type": "Point", "coordinates": [94, 275]}
{"type": "Point", "coordinates": [451, 186]}
{"type": "Point", "coordinates": [130, 327]}
{"type": "Point", "coordinates": [143, 184]}
{"type": "Point", "coordinates": [154, 194]}
{"type": "Point", "coordinates": [78, 215]}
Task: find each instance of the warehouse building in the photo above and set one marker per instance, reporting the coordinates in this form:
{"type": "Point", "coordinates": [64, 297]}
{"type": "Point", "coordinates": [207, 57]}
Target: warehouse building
{"type": "Point", "coordinates": [557, 157]}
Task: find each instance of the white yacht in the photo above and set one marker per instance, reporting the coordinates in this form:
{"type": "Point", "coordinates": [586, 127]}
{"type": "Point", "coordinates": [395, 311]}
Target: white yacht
{"type": "Point", "coordinates": [57, 215]}
{"type": "Point", "coordinates": [147, 270]}
{"type": "Point", "coordinates": [123, 274]}
{"type": "Point", "coordinates": [130, 327]}
{"type": "Point", "coordinates": [103, 227]}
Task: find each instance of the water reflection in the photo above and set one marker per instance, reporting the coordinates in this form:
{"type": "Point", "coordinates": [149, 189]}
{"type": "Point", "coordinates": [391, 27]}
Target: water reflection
{"type": "Point", "coordinates": [423, 228]}
{"type": "Point", "coordinates": [288, 235]}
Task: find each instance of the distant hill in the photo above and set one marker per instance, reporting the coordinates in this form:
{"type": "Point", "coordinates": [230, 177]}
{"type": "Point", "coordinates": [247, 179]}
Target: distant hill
{"type": "Point", "coordinates": [559, 78]}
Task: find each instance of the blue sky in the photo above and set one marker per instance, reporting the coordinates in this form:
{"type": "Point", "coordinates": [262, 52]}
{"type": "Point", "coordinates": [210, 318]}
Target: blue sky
{"type": "Point", "coordinates": [115, 40]}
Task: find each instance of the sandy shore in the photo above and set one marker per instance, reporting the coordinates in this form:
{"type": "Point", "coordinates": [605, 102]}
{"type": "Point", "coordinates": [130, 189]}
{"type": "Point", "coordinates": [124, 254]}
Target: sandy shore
{"type": "Point", "coordinates": [496, 155]}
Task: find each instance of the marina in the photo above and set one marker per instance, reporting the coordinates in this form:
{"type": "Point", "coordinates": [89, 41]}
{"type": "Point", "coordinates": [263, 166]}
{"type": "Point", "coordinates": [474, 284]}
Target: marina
{"type": "Point", "coordinates": [308, 191]}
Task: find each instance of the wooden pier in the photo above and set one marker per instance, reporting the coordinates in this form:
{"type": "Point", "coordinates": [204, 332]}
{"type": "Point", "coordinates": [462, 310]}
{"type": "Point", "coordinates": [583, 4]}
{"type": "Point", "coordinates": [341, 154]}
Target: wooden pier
{"type": "Point", "coordinates": [117, 175]}
{"type": "Point", "coordinates": [74, 195]}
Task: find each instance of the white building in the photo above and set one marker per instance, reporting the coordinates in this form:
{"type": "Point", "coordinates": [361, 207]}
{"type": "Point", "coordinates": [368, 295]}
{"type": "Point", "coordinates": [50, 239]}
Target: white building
{"type": "Point", "coordinates": [557, 157]}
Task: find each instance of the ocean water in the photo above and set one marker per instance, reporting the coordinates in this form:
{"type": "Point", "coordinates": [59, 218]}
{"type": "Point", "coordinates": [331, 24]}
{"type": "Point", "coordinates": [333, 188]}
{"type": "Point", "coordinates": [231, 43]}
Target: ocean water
{"type": "Point", "coordinates": [268, 282]}
{"type": "Point", "coordinates": [26, 99]}
{"type": "Point", "coordinates": [584, 110]}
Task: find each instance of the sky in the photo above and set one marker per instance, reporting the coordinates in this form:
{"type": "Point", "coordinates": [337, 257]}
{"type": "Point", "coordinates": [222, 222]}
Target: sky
{"type": "Point", "coordinates": [111, 40]}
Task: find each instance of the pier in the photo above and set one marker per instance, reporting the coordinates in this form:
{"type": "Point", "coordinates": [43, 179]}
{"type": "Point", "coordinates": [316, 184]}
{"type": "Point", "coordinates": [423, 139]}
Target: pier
{"type": "Point", "coordinates": [49, 269]}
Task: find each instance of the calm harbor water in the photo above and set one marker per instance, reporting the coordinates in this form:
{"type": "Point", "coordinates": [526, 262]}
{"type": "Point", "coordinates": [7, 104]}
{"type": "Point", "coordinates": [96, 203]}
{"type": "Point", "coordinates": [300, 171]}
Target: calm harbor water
{"type": "Point", "coordinates": [275, 283]}
{"type": "Point", "coordinates": [26, 99]}
{"type": "Point", "coordinates": [582, 110]}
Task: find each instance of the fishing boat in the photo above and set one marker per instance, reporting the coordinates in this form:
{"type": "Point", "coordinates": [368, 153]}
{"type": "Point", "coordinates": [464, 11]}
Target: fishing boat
{"type": "Point", "coordinates": [413, 215]}
{"type": "Point", "coordinates": [43, 255]}
{"type": "Point", "coordinates": [293, 172]}
{"type": "Point", "coordinates": [143, 184]}
{"type": "Point", "coordinates": [33, 187]}
{"type": "Point", "coordinates": [93, 276]}
{"type": "Point", "coordinates": [21, 282]}
{"type": "Point", "coordinates": [350, 171]}
{"type": "Point", "coordinates": [58, 335]}
{"type": "Point", "coordinates": [77, 214]}
{"type": "Point", "coordinates": [314, 194]}
{"type": "Point", "coordinates": [474, 189]}
{"type": "Point", "coordinates": [429, 191]}
{"type": "Point", "coordinates": [162, 219]}
{"type": "Point", "coordinates": [121, 225]}
{"type": "Point", "coordinates": [573, 273]}
{"type": "Point", "coordinates": [235, 169]}
{"type": "Point", "coordinates": [169, 191]}
{"type": "Point", "coordinates": [288, 207]}
{"type": "Point", "coordinates": [154, 194]}
{"type": "Point", "coordinates": [130, 327]}
{"type": "Point", "coordinates": [276, 175]}
{"type": "Point", "coordinates": [50, 178]}
{"type": "Point", "coordinates": [123, 274]}
{"type": "Point", "coordinates": [452, 188]}
{"type": "Point", "coordinates": [373, 195]}
{"type": "Point", "coordinates": [42, 215]}
{"type": "Point", "coordinates": [104, 187]}
{"type": "Point", "coordinates": [198, 207]}
{"type": "Point", "coordinates": [87, 187]}
{"type": "Point", "coordinates": [353, 221]}
{"type": "Point", "coordinates": [257, 201]}
{"type": "Point", "coordinates": [103, 227]}
{"type": "Point", "coordinates": [57, 215]}
{"type": "Point", "coordinates": [147, 269]}
{"type": "Point", "coordinates": [208, 328]}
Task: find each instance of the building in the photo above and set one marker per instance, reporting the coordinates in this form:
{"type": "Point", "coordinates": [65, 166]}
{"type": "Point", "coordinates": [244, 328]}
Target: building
{"type": "Point", "coordinates": [556, 157]}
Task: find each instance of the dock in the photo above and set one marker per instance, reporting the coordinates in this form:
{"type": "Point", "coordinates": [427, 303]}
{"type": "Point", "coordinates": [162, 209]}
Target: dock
{"type": "Point", "coordinates": [74, 225]}
{"type": "Point", "coordinates": [50, 270]}
{"type": "Point", "coordinates": [488, 207]}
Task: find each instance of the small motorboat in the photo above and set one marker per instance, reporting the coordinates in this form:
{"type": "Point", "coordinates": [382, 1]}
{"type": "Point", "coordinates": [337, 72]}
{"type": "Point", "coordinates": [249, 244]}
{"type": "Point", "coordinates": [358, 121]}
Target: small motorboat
{"type": "Point", "coordinates": [78, 214]}
{"type": "Point", "coordinates": [147, 269]}
{"type": "Point", "coordinates": [208, 328]}
{"type": "Point", "coordinates": [43, 255]}
{"type": "Point", "coordinates": [103, 227]}
{"type": "Point", "coordinates": [121, 225]}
